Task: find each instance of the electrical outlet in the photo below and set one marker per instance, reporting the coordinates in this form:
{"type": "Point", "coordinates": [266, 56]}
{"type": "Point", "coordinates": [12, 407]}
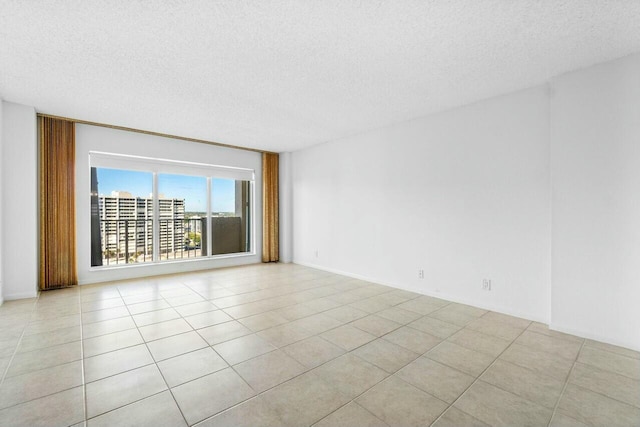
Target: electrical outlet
{"type": "Point", "coordinates": [317, 253]}
{"type": "Point", "coordinates": [420, 274]}
{"type": "Point", "coordinates": [486, 284]}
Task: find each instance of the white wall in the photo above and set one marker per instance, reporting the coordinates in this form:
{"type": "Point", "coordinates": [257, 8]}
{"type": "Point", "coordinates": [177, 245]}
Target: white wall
{"type": "Point", "coordinates": [285, 208]}
{"type": "Point", "coordinates": [463, 195]}
{"type": "Point", "coordinates": [1, 236]}
{"type": "Point", "coordinates": [93, 138]}
{"type": "Point", "coordinates": [19, 194]}
{"type": "Point", "coordinates": [596, 202]}
{"type": "Point", "coordinates": [536, 190]}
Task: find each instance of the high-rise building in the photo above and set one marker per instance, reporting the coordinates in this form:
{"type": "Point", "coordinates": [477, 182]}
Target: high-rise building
{"type": "Point", "coordinates": [126, 225]}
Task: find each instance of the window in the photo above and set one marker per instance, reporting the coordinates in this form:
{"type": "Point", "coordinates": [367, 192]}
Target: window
{"type": "Point", "coordinates": [150, 210]}
{"type": "Point", "coordinates": [121, 217]}
{"type": "Point", "coordinates": [230, 225]}
{"type": "Point", "coordinates": [182, 205]}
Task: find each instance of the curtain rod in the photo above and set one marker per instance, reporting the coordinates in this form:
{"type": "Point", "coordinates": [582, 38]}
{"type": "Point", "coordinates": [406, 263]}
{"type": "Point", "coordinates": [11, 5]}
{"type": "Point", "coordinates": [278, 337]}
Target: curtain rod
{"type": "Point", "coordinates": [148, 132]}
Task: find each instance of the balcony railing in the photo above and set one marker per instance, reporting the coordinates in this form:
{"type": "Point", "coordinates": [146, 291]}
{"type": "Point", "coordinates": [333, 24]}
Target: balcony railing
{"type": "Point", "coordinates": [128, 241]}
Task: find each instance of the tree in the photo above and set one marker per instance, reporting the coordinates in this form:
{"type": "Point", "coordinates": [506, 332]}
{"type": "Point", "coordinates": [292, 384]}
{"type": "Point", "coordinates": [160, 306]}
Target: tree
{"type": "Point", "coordinates": [194, 239]}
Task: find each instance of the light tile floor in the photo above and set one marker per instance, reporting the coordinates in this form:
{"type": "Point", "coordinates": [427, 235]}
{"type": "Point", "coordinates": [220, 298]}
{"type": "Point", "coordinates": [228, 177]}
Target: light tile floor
{"type": "Point", "coordinates": [286, 345]}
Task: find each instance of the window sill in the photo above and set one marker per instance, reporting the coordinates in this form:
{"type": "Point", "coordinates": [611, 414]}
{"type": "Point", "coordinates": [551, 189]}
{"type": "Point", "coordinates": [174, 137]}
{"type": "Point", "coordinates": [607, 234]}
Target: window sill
{"type": "Point", "coordinates": [170, 261]}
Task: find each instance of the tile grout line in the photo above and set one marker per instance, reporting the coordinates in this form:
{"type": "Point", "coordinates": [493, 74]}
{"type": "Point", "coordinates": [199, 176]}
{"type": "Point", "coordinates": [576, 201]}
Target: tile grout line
{"type": "Point", "coordinates": [342, 305]}
{"type": "Point", "coordinates": [293, 304]}
{"type": "Point", "coordinates": [41, 369]}
{"type": "Point", "coordinates": [154, 361]}
{"type": "Point", "coordinates": [84, 384]}
{"type": "Point", "coordinates": [479, 375]}
{"type": "Point", "coordinates": [373, 364]}
{"type": "Point", "coordinates": [15, 350]}
{"type": "Point", "coordinates": [216, 308]}
{"type": "Point", "coordinates": [290, 321]}
{"type": "Point", "coordinates": [393, 374]}
{"type": "Point", "coordinates": [353, 400]}
{"type": "Point", "coordinates": [603, 395]}
{"type": "Point", "coordinates": [33, 310]}
{"type": "Point", "coordinates": [209, 346]}
{"type": "Point", "coordinates": [132, 369]}
{"type": "Point", "coordinates": [308, 370]}
{"type": "Point", "coordinates": [322, 364]}
{"type": "Point", "coordinates": [608, 370]}
{"type": "Point", "coordinates": [566, 383]}
{"type": "Point", "coordinates": [583, 345]}
{"type": "Point", "coordinates": [314, 335]}
{"type": "Point", "coordinates": [173, 335]}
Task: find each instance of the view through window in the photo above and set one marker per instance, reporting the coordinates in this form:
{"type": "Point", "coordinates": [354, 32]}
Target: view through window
{"type": "Point", "coordinates": [122, 217]}
{"type": "Point", "coordinates": [230, 217]}
{"type": "Point", "coordinates": [190, 217]}
{"type": "Point", "coordinates": [182, 206]}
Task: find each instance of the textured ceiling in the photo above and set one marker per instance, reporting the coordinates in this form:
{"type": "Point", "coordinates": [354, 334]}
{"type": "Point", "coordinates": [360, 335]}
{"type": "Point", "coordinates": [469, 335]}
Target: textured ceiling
{"type": "Point", "coordinates": [283, 75]}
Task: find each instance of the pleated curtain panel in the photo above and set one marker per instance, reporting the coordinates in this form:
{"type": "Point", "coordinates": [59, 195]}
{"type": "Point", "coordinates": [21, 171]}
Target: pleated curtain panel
{"type": "Point", "coordinates": [57, 204]}
{"type": "Point", "coordinates": [270, 232]}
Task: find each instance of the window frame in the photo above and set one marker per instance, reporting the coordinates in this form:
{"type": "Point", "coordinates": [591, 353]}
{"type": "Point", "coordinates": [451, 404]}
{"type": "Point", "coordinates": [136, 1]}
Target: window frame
{"type": "Point", "coordinates": [157, 166]}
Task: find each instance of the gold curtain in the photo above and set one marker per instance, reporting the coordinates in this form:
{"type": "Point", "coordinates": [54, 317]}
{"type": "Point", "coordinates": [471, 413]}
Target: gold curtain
{"type": "Point", "coordinates": [57, 204]}
{"type": "Point", "coordinates": [270, 233]}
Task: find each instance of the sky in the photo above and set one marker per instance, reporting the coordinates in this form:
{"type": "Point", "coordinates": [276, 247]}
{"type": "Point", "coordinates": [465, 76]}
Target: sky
{"type": "Point", "coordinates": [193, 189]}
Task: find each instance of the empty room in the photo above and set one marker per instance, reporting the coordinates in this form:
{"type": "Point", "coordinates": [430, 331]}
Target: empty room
{"type": "Point", "coordinates": [320, 213]}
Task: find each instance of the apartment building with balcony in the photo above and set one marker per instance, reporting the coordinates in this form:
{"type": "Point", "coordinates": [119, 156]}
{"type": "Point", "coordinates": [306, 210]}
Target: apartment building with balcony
{"type": "Point", "coordinates": [126, 226]}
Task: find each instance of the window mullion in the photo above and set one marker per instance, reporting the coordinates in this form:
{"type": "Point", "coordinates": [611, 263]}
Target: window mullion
{"type": "Point", "coordinates": [209, 212]}
{"type": "Point", "coordinates": [156, 219]}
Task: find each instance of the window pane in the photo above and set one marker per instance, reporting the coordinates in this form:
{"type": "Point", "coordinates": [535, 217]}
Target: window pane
{"type": "Point", "coordinates": [121, 217]}
{"type": "Point", "coordinates": [182, 202]}
{"type": "Point", "coordinates": [230, 222]}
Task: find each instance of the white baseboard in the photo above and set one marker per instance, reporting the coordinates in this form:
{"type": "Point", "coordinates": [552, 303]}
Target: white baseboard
{"type": "Point", "coordinates": [441, 295]}
{"type": "Point", "coordinates": [139, 271]}
{"type": "Point", "coordinates": [21, 295]}
{"type": "Point", "coordinates": [454, 298]}
{"type": "Point", "coordinates": [589, 335]}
